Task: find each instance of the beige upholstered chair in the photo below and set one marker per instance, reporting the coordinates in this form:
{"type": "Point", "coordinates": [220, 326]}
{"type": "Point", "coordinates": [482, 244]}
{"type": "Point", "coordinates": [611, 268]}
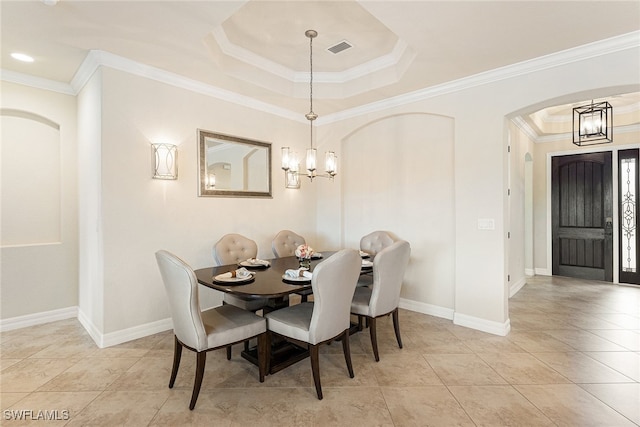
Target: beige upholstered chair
{"type": "Point", "coordinates": [202, 331]}
{"type": "Point", "coordinates": [231, 249]}
{"type": "Point", "coordinates": [373, 243]}
{"type": "Point", "coordinates": [327, 318]}
{"type": "Point", "coordinates": [285, 243]}
{"type": "Point", "coordinates": [376, 241]}
{"type": "Point", "coordinates": [383, 297]}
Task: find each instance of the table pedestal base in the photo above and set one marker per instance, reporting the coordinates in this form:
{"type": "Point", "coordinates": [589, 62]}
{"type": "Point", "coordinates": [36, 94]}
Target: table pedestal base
{"type": "Point", "coordinates": [283, 354]}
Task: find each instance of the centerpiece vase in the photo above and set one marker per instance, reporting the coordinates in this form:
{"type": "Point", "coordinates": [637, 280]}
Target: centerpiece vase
{"type": "Point", "coordinates": [305, 262]}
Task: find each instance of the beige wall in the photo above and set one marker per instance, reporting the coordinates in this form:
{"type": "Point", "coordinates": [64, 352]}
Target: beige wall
{"type": "Point", "coordinates": [125, 216]}
{"type": "Point", "coordinates": [480, 171]}
{"type": "Point", "coordinates": [399, 177]}
{"type": "Point", "coordinates": [521, 145]}
{"type": "Point", "coordinates": [141, 215]}
{"type": "Point", "coordinates": [39, 201]}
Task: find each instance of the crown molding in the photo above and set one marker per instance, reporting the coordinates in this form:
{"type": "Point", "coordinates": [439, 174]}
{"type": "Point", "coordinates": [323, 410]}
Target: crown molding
{"type": "Point", "coordinates": [98, 58]}
{"type": "Point", "coordinates": [392, 59]}
{"type": "Point", "coordinates": [525, 128]}
{"type": "Point", "coordinates": [580, 53]}
{"type": "Point", "coordinates": [541, 139]}
{"type": "Point", "coordinates": [36, 82]}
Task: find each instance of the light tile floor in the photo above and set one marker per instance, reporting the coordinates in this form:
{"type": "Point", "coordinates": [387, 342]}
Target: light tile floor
{"type": "Point", "coordinates": [572, 359]}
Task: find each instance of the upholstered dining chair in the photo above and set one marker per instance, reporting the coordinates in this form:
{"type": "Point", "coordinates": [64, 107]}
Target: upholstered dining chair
{"type": "Point", "coordinates": [373, 243]}
{"type": "Point", "coordinates": [376, 241]}
{"type": "Point", "coordinates": [285, 243]}
{"type": "Point", "coordinates": [383, 297]}
{"type": "Point", "coordinates": [327, 318]}
{"type": "Point", "coordinates": [203, 331]}
{"type": "Point", "coordinates": [232, 249]}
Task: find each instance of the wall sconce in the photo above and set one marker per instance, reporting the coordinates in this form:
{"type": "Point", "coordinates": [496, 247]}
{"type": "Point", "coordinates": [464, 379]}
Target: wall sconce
{"type": "Point", "coordinates": [164, 161]}
{"type": "Point", "coordinates": [593, 124]}
{"type": "Point", "coordinates": [211, 181]}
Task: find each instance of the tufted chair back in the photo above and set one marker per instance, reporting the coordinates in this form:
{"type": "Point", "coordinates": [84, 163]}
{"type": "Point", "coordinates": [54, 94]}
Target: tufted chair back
{"type": "Point", "coordinates": [285, 243]}
{"type": "Point", "coordinates": [233, 248]}
{"type": "Point", "coordinates": [376, 241]}
{"type": "Point", "coordinates": [182, 291]}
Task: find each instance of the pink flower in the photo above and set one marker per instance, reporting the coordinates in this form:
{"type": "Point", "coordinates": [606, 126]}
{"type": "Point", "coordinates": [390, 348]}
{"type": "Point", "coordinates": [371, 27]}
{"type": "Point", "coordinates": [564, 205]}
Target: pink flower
{"type": "Point", "coordinates": [304, 251]}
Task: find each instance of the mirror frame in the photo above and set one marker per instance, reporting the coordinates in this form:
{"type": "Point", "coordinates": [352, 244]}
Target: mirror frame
{"type": "Point", "coordinates": [202, 189]}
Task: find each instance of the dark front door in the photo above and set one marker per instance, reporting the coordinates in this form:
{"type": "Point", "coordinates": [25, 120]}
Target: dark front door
{"type": "Point", "coordinates": [582, 216]}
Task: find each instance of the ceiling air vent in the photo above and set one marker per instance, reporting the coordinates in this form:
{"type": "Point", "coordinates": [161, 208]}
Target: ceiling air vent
{"type": "Point", "coordinates": [337, 48]}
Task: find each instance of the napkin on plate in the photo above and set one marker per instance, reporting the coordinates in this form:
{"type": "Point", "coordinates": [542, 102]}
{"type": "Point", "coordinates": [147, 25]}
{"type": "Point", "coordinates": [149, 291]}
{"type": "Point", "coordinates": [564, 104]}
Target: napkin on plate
{"type": "Point", "coordinates": [241, 273]}
{"type": "Point", "coordinates": [256, 261]}
{"type": "Point", "coordinates": [296, 273]}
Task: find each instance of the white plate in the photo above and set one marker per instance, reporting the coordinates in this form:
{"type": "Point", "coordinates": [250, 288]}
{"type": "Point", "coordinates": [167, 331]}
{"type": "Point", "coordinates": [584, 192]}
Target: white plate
{"type": "Point", "coordinates": [316, 256]}
{"type": "Point", "coordinates": [364, 254]}
{"type": "Point", "coordinates": [226, 279]}
{"type": "Point", "coordinates": [367, 264]}
{"type": "Point", "coordinates": [295, 279]}
{"type": "Point", "coordinates": [249, 264]}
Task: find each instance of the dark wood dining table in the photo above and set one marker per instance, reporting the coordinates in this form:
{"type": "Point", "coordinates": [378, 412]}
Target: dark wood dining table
{"type": "Point", "coordinates": [267, 283]}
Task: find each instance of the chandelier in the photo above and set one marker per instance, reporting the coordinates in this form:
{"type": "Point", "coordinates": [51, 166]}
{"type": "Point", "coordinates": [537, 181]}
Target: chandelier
{"type": "Point", "coordinates": [593, 124]}
{"type": "Point", "coordinates": [290, 161]}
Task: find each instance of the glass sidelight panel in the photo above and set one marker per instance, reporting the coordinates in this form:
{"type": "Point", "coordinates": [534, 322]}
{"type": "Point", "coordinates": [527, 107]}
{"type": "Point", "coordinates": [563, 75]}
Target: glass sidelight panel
{"type": "Point", "coordinates": [628, 170]}
{"type": "Point", "coordinates": [628, 186]}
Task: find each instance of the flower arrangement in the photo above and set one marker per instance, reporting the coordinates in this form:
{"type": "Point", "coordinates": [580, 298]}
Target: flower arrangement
{"type": "Point", "coordinates": [304, 252]}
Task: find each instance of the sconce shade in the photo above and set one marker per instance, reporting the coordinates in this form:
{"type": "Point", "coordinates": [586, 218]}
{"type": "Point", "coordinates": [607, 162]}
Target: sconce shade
{"type": "Point", "coordinates": [593, 124]}
{"type": "Point", "coordinates": [165, 161]}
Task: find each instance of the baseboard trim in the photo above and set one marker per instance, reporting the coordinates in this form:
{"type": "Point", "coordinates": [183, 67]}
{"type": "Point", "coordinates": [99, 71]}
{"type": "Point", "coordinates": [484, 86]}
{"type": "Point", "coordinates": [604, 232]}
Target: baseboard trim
{"type": "Point", "coordinates": [27, 320]}
{"type": "Point", "coordinates": [140, 331]}
{"type": "Point", "coordinates": [483, 325]}
{"type": "Point", "coordinates": [529, 272]}
{"type": "Point", "coordinates": [123, 335]}
{"type": "Point", "coordinates": [424, 308]}
{"type": "Point", "coordinates": [543, 272]}
{"type": "Point", "coordinates": [515, 287]}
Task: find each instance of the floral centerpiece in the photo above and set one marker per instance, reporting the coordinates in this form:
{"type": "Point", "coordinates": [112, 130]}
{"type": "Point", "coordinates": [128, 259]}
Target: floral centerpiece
{"type": "Point", "coordinates": [304, 252]}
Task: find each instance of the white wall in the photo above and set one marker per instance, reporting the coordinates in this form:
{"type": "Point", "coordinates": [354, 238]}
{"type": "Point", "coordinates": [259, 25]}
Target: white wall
{"type": "Point", "coordinates": [91, 262]}
{"type": "Point", "coordinates": [521, 145]}
{"type": "Point", "coordinates": [480, 165]}
{"type": "Point", "coordinates": [382, 191]}
{"type": "Point", "coordinates": [39, 201]}
{"type": "Point", "coordinates": [125, 216]}
{"type": "Point", "coordinates": [141, 215]}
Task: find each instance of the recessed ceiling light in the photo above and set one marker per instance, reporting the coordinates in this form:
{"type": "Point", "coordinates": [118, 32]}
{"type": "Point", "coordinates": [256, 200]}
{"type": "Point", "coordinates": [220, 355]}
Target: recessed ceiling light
{"type": "Point", "coordinates": [22, 57]}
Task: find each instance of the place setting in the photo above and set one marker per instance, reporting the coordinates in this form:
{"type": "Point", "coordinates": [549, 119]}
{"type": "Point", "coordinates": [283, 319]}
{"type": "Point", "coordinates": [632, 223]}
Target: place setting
{"type": "Point", "coordinates": [255, 263]}
{"type": "Point", "coordinates": [236, 277]}
{"type": "Point", "coordinates": [367, 265]}
{"type": "Point", "coordinates": [297, 276]}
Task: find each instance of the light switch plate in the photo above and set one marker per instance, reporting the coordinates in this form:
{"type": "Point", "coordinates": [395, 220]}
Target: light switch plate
{"type": "Point", "coordinates": [486, 224]}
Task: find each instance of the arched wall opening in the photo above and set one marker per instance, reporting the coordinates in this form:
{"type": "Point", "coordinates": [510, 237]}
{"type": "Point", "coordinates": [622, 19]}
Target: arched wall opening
{"type": "Point", "coordinates": [401, 179]}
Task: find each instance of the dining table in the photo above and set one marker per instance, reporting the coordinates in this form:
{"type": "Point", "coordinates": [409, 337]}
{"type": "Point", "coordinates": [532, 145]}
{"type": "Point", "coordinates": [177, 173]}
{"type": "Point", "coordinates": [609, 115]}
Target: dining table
{"type": "Point", "coordinates": [270, 283]}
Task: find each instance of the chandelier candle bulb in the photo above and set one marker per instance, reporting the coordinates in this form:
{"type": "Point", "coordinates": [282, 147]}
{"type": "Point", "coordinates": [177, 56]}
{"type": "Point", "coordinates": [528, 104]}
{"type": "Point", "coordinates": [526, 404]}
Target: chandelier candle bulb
{"type": "Point", "coordinates": [311, 159]}
{"type": "Point", "coordinates": [286, 158]}
{"type": "Point", "coordinates": [331, 163]}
